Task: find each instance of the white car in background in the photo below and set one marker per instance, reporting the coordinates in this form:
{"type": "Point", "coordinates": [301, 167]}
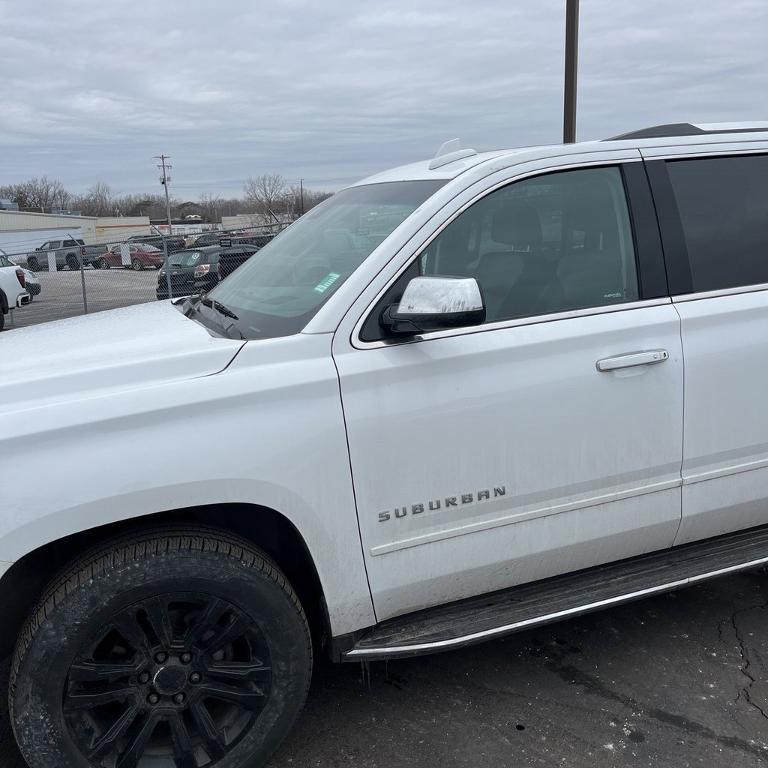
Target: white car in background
{"type": "Point", "coordinates": [13, 289]}
{"type": "Point", "coordinates": [31, 280]}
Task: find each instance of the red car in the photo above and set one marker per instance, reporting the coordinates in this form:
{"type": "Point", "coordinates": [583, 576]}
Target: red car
{"type": "Point", "coordinates": [141, 256]}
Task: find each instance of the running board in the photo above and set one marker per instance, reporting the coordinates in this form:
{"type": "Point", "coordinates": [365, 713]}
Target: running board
{"type": "Point", "coordinates": [542, 602]}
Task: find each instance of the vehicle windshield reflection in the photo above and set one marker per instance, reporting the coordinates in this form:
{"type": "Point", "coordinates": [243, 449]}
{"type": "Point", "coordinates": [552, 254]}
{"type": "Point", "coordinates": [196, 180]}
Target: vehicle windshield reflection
{"type": "Point", "coordinates": [278, 290]}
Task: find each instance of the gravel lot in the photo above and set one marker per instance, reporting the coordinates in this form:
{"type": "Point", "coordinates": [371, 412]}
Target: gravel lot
{"type": "Point", "coordinates": [670, 682]}
{"type": "Point", "coordinates": [62, 293]}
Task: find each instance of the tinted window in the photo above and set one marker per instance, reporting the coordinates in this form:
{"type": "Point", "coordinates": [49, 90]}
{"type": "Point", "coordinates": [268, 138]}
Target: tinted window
{"type": "Point", "coordinates": [548, 244]}
{"type": "Point", "coordinates": [723, 205]}
{"type": "Point", "coordinates": [186, 258]}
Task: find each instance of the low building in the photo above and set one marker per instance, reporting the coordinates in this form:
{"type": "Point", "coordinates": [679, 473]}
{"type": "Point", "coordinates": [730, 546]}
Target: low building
{"type": "Point", "coordinates": [109, 228]}
{"type": "Point", "coordinates": [250, 220]}
{"type": "Point", "coordinates": [23, 231]}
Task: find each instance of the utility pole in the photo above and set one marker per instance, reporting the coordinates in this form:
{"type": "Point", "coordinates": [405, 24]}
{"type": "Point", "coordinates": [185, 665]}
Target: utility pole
{"type": "Point", "coordinates": [571, 70]}
{"type": "Point", "coordinates": [164, 179]}
{"type": "Point", "coordinates": [301, 186]}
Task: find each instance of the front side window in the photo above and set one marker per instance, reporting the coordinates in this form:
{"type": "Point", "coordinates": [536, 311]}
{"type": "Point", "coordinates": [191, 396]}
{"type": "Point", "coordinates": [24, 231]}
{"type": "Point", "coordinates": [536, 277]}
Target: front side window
{"type": "Point", "coordinates": [547, 244]}
{"type": "Point", "coordinates": [278, 290]}
{"type": "Point", "coordinates": [723, 206]}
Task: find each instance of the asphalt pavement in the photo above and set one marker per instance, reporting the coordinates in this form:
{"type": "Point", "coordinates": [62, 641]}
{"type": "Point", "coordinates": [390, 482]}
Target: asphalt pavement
{"type": "Point", "coordinates": [673, 681]}
{"type": "Point", "coordinates": [669, 682]}
{"type": "Point", "coordinates": [62, 293]}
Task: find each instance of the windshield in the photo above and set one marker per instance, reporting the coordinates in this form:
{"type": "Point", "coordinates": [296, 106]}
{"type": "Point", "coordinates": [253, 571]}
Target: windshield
{"type": "Point", "coordinates": [185, 258]}
{"type": "Point", "coordinates": [278, 290]}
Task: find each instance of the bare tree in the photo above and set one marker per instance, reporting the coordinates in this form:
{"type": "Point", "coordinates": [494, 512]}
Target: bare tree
{"type": "Point", "coordinates": [303, 199]}
{"type": "Point", "coordinates": [263, 193]}
{"type": "Point", "coordinates": [97, 201]}
{"type": "Point", "coordinates": [211, 206]}
{"type": "Point", "coordinates": [38, 194]}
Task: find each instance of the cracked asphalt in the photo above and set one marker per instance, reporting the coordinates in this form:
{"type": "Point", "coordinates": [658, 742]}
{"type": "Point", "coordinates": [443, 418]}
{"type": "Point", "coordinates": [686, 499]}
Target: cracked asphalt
{"type": "Point", "coordinates": [673, 681]}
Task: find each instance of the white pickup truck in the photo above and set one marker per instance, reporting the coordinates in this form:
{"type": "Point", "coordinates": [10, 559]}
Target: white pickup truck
{"type": "Point", "coordinates": [13, 289]}
{"type": "Point", "coordinates": [446, 404]}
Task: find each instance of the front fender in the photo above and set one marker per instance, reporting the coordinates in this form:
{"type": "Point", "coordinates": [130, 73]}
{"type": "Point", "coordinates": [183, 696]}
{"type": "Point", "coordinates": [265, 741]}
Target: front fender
{"type": "Point", "coordinates": [268, 431]}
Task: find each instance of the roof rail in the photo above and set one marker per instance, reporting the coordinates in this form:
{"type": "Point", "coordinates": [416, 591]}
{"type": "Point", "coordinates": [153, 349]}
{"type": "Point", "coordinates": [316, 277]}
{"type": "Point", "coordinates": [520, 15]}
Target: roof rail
{"type": "Point", "coordinates": [449, 152]}
{"type": "Point", "coordinates": [691, 129]}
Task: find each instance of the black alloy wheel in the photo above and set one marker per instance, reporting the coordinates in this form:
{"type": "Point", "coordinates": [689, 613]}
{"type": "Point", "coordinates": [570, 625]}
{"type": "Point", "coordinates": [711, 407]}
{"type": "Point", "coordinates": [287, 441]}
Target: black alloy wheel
{"type": "Point", "coordinates": [166, 678]}
{"type": "Point", "coordinates": [176, 648]}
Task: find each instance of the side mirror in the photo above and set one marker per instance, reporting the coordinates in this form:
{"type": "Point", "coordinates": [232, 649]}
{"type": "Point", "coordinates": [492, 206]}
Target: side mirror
{"type": "Point", "coordinates": [435, 303]}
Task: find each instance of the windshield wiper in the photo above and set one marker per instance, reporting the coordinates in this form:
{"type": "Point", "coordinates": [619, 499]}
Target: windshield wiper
{"type": "Point", "coordinates": [219, 307]}
{"type": "Point", "coordinates": [192, 306]}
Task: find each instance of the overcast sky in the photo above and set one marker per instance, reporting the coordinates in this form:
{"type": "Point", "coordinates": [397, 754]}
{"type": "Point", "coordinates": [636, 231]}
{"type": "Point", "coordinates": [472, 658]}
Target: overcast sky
{"type": "Point", "coordinates": [332, 90]}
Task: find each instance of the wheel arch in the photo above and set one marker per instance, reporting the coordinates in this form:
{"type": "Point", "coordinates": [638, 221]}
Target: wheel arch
{"type": "Point", "coordinates": [23, 583]}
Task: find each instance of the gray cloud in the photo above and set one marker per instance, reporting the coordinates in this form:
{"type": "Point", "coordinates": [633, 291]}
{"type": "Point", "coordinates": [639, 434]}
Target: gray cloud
{"type": "Point", "coordinates": [333, 91]}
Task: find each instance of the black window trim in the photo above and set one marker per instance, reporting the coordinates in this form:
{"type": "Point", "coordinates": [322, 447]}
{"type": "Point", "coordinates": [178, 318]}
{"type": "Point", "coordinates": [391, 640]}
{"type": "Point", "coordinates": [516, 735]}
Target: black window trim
{"type": "Point", "coordinates": [647, 241]}
{"type": "Point", "coordinates": [671, 227]}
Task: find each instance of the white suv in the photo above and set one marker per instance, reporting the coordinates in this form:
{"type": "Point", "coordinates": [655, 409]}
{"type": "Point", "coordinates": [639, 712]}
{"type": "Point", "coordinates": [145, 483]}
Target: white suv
{"type": "Point", "coordinates": [13, 289]}
{"type": "Point", "coordinates": [444, 405]}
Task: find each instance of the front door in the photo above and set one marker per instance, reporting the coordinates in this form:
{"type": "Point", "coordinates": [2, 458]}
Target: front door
{"type": "Point", "coordinates": [539, 442]}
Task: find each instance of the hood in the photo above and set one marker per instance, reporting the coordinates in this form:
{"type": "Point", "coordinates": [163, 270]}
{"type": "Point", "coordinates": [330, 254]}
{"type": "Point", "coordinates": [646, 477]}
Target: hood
{"type": "Point", "coordinates": [126, 348]}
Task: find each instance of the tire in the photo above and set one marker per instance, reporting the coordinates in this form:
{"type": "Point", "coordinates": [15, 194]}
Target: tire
{"type": "Point", "coordinates": [103, 263]}
{"type": "Point", "coordinates": [104, 619]}
{"type": "Point", "coordinates": [137, 265]}
{"type": "Point", "coordinates": [72, 262]}
{"type": "Point", "coordinates": [33, 263]}
{"type": "Point", "coordinates": [2, 319]}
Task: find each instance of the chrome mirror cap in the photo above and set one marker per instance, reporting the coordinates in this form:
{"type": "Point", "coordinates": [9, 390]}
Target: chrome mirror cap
{"type": "Point", "coordinates": [440, 296]}
{"type": "Point", "coordinates": [433, 303]}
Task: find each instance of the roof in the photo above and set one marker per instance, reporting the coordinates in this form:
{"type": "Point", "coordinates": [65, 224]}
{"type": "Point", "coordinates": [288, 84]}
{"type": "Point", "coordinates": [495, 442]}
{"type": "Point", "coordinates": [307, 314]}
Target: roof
{"type": "Point", "coordinates": [675, 134]}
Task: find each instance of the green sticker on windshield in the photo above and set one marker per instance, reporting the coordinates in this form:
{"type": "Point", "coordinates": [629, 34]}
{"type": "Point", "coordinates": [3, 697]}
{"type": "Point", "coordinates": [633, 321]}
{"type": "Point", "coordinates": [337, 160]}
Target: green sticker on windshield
{"type": "Point", "coordinates": [327, 282]}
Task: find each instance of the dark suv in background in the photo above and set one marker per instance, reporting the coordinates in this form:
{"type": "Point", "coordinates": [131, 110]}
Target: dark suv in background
{"type": "Point", "coordinates": [196, 270]}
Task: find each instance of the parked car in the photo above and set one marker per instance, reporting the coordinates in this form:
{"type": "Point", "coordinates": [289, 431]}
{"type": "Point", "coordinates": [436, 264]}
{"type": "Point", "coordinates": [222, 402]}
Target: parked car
{"type": "Point", "coordinates": [68, 253]}
{"type": "Point", "coordinates": [229, 241]}
{"type": "Point", "coordinates": [461, 398]}
{"type": "Point", "coordinates": [206, 238]}
{"type": "Point", "coordinates": [175, 242]}
{"type": "Point", "coordinates": [199, 269]}
{"type": "Point", "coordinates": [141, 256]}
{"type": "Point", "coordinates": [13, 290]}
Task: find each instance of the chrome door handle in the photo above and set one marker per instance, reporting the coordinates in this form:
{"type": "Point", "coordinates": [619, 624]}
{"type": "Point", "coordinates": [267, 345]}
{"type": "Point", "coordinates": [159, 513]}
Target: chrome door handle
{"type": "Point", "coordinates": [651, 357]}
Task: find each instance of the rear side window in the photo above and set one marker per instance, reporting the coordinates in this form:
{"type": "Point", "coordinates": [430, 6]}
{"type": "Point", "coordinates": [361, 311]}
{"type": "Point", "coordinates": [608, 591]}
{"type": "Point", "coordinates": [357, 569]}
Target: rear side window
{"type": "Point", "coordinates": [723, 206]}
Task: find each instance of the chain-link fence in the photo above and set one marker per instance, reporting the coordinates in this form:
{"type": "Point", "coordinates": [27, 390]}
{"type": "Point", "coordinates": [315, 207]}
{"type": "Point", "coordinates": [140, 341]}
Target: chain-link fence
{"type": "Point", "coordinates": [69, 277]}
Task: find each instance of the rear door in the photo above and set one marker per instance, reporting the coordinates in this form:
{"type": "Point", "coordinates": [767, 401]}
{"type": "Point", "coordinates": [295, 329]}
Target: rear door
{"type": "Point", "coordinates": [537, 443]}
{"type": "Point", "coordinates": [714, 216]}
